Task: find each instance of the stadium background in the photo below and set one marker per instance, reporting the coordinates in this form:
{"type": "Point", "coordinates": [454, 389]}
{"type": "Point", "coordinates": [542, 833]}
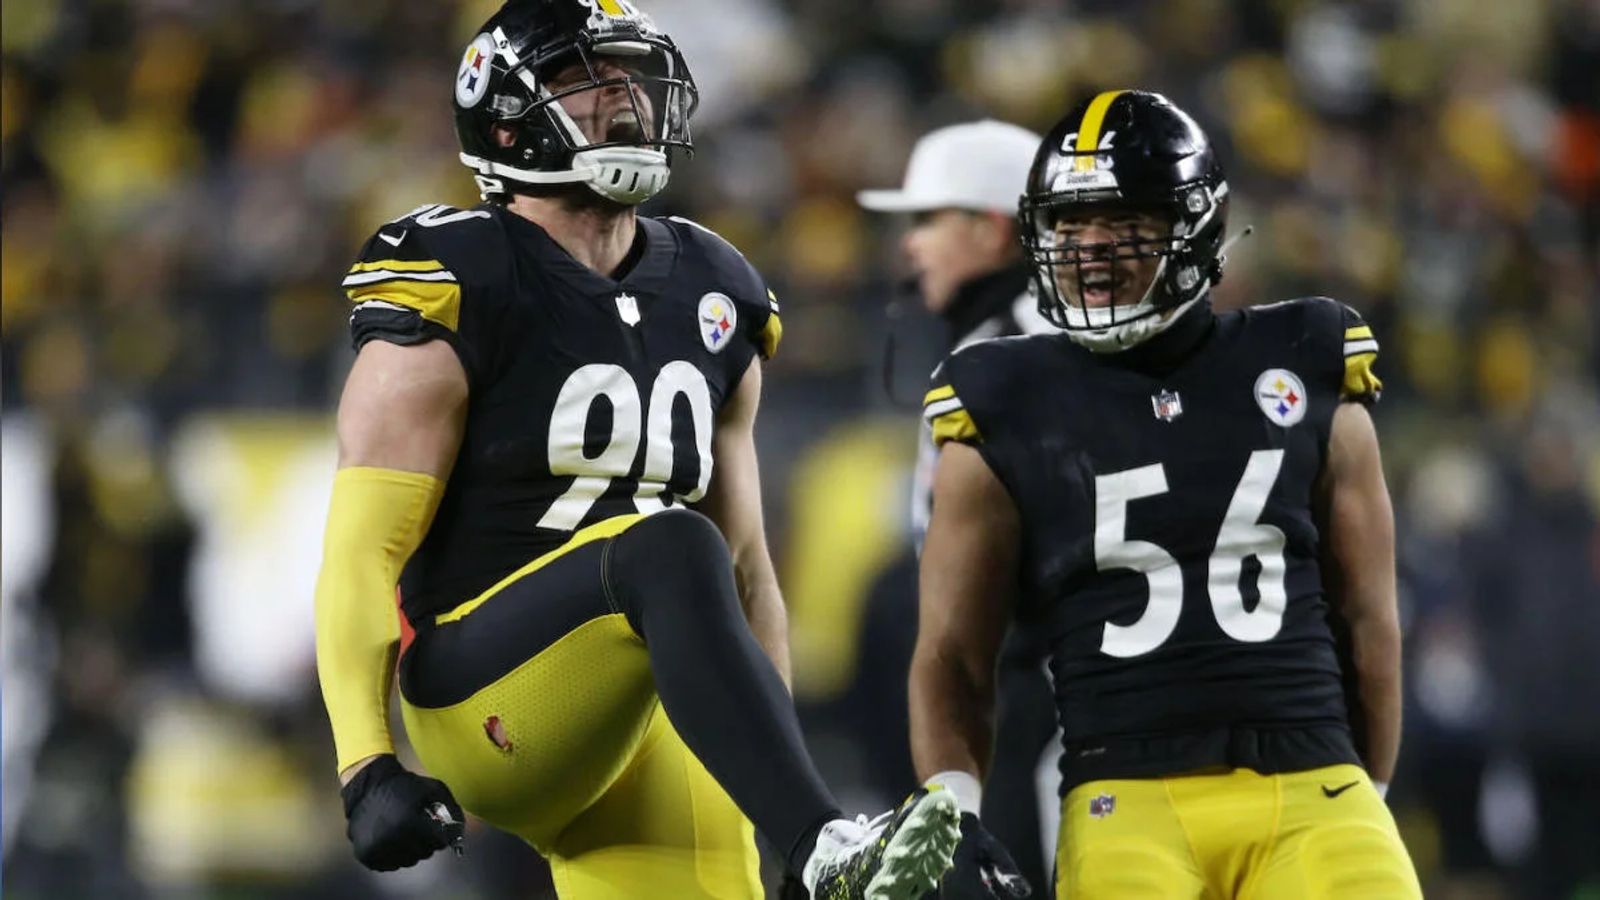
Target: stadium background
{"type": "Point", "coordinates": [184, 181]}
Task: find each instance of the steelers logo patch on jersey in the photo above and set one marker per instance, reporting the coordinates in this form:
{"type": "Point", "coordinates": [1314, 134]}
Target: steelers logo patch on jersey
{"type": "Point", "coordinates": [717, 321]}
{"type": "Point", "coordinates": [1282, 396]}
{"type": "Point", "coordinates": [472, 79]}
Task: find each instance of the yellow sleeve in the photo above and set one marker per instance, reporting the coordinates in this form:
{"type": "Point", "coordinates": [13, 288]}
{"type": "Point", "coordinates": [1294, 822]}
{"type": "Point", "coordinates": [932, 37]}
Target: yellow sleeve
{"type": "Point", "coordinates": [376, 519]}
{"type": "Point", "coordinates": [771, 330]}
{"type": "Point", "coordinates": [948, 418]}
{"type": "Point", "coordinates": [1360, 383]}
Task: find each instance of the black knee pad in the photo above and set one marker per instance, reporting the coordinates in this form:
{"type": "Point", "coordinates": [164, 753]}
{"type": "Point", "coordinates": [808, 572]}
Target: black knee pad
{"type": "Point", "coordinates": [673, 560]}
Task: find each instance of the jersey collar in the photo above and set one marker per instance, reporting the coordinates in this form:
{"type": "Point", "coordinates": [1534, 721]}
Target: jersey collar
{"type": "Point", "coordinates": [649, 272]}
{"type": "Point", "coordinates": [1169, 348]}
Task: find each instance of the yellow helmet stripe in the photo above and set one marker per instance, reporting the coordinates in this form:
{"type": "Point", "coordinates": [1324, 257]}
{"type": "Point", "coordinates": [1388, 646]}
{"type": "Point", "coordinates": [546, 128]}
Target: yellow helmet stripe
{"type": "Point", "coordinates": [611, 8]}
{"type": "Point", "coordinates": [1089, 129]}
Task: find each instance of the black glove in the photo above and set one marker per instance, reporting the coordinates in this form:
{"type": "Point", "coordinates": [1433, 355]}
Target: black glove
{"type": "Point", "coordinates": [983, 868]}
{"type": "Point", "coordinates": [398, 818]}
{"type": "Point", "coordinates": [792, 888]}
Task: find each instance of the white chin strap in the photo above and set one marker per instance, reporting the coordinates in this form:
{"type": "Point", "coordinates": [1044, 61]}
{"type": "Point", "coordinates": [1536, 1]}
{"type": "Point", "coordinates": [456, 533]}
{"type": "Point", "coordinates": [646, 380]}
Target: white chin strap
{"type": "Point", "coordinates": [625, 175]}
{"type": "Point", "coordinates": [1107, 329]}
{"type": "Point", "coordinates": [1095, 332]}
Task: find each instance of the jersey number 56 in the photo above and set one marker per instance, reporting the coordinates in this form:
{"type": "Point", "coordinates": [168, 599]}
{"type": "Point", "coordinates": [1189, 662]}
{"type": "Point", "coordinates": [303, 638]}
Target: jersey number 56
{"type": "Point", "coordinates": [1240, 536]}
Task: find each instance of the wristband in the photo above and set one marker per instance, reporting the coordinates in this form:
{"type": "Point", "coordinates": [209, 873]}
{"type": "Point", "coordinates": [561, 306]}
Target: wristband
{"type": "Point", "coordinates": [963, 786]}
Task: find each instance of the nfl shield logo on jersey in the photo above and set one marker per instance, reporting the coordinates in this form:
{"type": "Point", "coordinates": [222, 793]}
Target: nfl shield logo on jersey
{"type": "Point", "coordinates": [1102, 806]}
{"type": "Point", "coordinates": [1167, 405]}
{"type": "Point", "coordinates": [628, 308]}
{"type": "Point", "coordinates": [1282, 396]}
{"type": "Point", "coordinates": [717, 321]}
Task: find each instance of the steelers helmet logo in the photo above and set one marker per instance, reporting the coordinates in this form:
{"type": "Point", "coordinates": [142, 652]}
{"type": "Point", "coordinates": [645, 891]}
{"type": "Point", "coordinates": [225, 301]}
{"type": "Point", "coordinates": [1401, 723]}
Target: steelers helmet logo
{"type": "Point", "coordinates": [717, 321]}
{"type": "Point", "coordinates": [1282, 396]}
{"type": "Point", "coordinates": [472, 78]}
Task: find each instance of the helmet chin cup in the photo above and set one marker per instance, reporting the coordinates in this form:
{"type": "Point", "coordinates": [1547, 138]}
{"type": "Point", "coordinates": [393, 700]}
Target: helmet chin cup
{"type": "Point", "coordinates": [625, 175]}
{"type": "Point", "coordinates": [1114, 338]}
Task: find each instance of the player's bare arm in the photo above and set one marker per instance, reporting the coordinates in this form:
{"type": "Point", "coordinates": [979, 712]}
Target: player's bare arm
{"type": "Point", "coordinates": [733, 501]}
{"type": "Point", "coordinates": [403, 407]}
{"type": "Point", "coordinates": [967, 583]}
{"type": "Point", "coordinates": [402, 411]}
{"type": "Point", "coordinates": [1359, 534]}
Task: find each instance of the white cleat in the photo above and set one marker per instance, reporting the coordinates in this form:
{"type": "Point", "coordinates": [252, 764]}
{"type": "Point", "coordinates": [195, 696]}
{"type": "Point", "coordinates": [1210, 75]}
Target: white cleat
{"type": "Point", "coordinates": [900, 855]}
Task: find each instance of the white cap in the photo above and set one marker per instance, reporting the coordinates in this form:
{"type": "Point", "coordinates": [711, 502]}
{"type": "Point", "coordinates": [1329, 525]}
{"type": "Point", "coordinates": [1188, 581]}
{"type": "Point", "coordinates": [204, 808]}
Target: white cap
{"type": "Point", "coordinates": [974, 165]}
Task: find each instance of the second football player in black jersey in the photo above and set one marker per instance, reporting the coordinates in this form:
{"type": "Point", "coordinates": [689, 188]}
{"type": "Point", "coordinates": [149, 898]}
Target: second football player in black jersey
{"type": "Point", "coordinates": [546, 442]}
{"type": "Point", "coordinates": [1178, 502]}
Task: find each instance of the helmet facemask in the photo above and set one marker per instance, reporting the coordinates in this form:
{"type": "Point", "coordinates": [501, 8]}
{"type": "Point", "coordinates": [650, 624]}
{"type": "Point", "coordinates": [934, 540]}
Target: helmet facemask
{"type": "Point", "coordinates": [1110, 294]}
{"type": "Point", "coordinates": [547, 112]}
{"type": "Point", "coordinates": [1123, 153]}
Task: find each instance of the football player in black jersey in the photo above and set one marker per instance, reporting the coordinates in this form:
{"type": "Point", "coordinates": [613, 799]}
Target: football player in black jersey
{"type": "Point", "coordinates": [546, 444]}
{"type": "Point", "coordinates": [1188, 507]}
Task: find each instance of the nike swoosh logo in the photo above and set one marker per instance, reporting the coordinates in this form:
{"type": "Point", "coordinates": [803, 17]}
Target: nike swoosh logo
{"type": "Point", "coordinates": [1334, 792]}
{"type": "Point", "coordinates": [393, 241]}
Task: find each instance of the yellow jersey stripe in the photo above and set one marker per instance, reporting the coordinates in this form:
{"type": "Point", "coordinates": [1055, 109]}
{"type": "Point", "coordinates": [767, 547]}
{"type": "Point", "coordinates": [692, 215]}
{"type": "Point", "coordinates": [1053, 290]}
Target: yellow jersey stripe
{"type": "Point", "coordinates": [399, 265]}
{"type": "Point", "coordinates": [956, 425]}
{"type": "Point", "coordinates": [1089, 130]}
{"type": "Point", "coordinates": [943, 392]}
{"type": "Point", "coordinates": [608, 528]}
{"type": "Point", "coordinates": [437, 301]}
{"type": "Point", "coordinates": [771, 334]}
{"type": "Point", "coordinates": [1359, 379]}
{"type": "Point", "coordinates": [1358, 332]}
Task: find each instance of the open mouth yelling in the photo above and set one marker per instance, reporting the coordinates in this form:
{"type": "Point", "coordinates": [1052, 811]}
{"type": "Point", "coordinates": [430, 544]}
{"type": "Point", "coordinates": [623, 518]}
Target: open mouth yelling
{"type": "Point", "coordinates": [624, 125]}
{"type": "Point", "coordinates": [1098, 287]}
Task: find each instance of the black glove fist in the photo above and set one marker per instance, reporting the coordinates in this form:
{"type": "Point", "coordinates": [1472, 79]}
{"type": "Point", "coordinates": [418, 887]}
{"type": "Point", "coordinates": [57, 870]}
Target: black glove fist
{"type": "Point", "coordinates": [983, 868]}
{"type": "Point", "coordinates": [398, 818]}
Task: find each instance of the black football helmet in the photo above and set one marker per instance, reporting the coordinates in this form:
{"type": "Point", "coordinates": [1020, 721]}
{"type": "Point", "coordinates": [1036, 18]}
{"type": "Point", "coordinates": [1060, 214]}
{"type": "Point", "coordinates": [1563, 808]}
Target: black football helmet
{"type": "Point", "coordinates": [1135, 152]}
{"type": "Point", "coordinates": [505, 79]}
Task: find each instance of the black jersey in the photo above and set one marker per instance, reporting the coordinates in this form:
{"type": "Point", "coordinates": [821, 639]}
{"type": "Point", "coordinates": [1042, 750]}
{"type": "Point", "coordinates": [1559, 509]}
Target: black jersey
{"type": "Point", "coordinates": [1169, 554]}
{"type": "Point", "coordinates": [589, 397]}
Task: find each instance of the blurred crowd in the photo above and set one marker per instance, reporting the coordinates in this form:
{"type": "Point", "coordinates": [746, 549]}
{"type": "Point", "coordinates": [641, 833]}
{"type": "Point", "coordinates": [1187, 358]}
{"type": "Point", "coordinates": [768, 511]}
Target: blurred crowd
{"type": "Point", "coordinates": [185, 181]}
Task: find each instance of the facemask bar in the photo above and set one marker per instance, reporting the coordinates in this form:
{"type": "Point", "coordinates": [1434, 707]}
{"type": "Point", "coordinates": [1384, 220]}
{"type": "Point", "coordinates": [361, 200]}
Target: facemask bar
{"type": "Point", "coordinates": [671, 95]}
{"type": "Point", "coordinates": [1056, 263]}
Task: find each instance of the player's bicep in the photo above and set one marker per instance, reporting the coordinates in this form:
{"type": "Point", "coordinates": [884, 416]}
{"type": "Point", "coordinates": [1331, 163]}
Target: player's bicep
{"type": "Point", "coordinates": [969, 560]}
{"type": "Point", "coordinates": [1359, 518]}
{"type": "Point", "coordinates": [403, 407]}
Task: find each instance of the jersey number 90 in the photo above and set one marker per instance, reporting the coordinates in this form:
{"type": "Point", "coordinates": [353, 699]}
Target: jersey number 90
{"type": "Point", "coordinates": [1240, 536]}
{"type": "Point", "coordinates": [630, 423]}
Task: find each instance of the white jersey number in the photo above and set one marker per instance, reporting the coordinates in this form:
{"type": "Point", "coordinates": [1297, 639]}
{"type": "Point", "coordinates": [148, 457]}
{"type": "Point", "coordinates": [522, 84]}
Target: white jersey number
{"type": "Point", "coordinates": [1240, 536]}
{"type": "Point", "coordinates": [629, 420]}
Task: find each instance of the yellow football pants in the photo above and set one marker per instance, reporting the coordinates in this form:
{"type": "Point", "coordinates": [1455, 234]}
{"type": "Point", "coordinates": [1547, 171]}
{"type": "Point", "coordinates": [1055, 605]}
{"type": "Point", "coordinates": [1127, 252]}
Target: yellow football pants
{"type": "Point", "coordinates": [1321, 834]}
{"type": "Point", "coordinates": [572, 752]}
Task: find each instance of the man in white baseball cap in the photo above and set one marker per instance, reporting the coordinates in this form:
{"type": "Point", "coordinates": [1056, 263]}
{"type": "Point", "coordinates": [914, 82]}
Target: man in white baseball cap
{"type": "Point", "coordinates": [961, 188]}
